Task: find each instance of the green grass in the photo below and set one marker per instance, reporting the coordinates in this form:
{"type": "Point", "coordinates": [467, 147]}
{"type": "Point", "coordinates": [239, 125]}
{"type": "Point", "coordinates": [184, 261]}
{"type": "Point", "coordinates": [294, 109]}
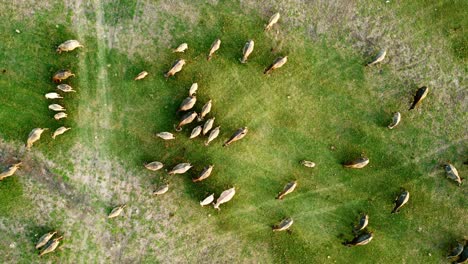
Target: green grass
{"type": "Point", "coordinates": [322, 97]}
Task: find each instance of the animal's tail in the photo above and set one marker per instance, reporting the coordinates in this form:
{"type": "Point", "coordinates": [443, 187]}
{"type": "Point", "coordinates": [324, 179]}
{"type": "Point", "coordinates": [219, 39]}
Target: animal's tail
{"type": "Point", "coordinates": [209, 57]}
{"type": "Point", "coordinates": [267, 70]}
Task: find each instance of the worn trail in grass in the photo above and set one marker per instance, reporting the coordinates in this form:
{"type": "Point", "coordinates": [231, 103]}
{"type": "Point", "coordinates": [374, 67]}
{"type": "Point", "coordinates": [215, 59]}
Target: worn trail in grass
{"type": "Point", "coordinates": [322, 97]}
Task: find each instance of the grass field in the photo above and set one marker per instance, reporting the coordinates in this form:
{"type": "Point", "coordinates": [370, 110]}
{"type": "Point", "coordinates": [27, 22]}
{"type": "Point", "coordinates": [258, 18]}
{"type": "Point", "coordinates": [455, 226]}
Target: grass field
{"type": "Point", "coordinates": [323, 97]}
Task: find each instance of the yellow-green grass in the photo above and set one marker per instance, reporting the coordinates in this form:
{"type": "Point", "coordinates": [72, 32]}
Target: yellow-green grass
{"type": "Point", "coordinates": [323, 97]}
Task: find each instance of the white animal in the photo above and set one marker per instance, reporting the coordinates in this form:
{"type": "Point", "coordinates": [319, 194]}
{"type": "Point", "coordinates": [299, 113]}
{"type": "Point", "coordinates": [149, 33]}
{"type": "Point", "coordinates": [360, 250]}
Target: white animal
{"type": "Point", "coordinates": [53, 96]}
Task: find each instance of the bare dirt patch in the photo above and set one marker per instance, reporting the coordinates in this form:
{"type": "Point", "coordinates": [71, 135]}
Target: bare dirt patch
{"type": "Point", "coordinates": [149, 229]}
{"type": "Point", "coordinates": [150, 25]}
{"type": "Point", "coordinates": [21, 8]}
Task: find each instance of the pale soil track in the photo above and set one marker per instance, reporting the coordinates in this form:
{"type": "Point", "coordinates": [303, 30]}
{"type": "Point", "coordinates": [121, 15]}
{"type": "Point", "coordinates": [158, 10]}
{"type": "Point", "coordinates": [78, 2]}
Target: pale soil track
{"type": "Point", "coordinates": [99, 182]}
{"type": "Point", "coordinates": [79, 206]}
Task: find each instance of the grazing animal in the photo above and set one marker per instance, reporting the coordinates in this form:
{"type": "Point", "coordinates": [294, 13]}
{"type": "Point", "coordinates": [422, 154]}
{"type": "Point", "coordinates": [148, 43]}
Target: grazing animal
{"type": "Point", "coordinates": [53, 96]}
{"type": "Point", "coordinates": [457, 250]}
{"type": "Point", "coordinates": [213, 134]}
{"type": "Point", "coordinates": [60, 115]}
{"type": "Point", "coordinates": [154, 166]}
{"type": "Point", "coordinates": [62, 75]}
{"type": "Point", "coordinates": [187, 103]}
{"type": "Point", "coordinates": [273, 20]}
{"type": "Point", "coordinates": [419, 97]}
{"type": "Point", "coordinates": [180, 168]}
{"type": "Point", "coordinates": [308, 164]}
{"type": "Point", "coordinates": [165, 135]}
{"type": "Point", "coordinates": [141, 75]}
{"type": "Point", "coordinates": [44, 239]}
{"type": "Point", "coordinates": [360, 240]}
{"type": "Point", "coordinates": [116, 211]}
{"type": "Point", "coordinates": [186, 119]}
{"type": "Point", "coordinates": [181, 48]}
{"type": "Point", "coordinates": [358, 163]}
{"type": "Point", "coordinates": [238, 135]}
{"type": "Point", "coordinates": [452, 173]}
{"type": "Point", "coordinates": [277, 63]}
{"type": "Point", "coordinates": [175, 68]}
{"type": "Point", "coordinates": [60, 131]}
{"type": "Point", "coordinates": [208, 200]}
{"type": "Point", "coordinates": [288, 188]}
{"type": "Point", "coordinates": [34, 136]}
{"type": "Point", "coordinates": [204, 174]}
{"type": "Point", "coordinates": [208, 125]}
{"type": "Point", "coordinates": [161, 189]}
{"type": "Point", "coordinates": [51, 246]}
{"type": "Point", "coordinates": [284, 225]}
{"type": "Point", "coordinates": [225, 197]}
{"type": "Point", "coordinates": [69, 45]}
{"type": "Point", "coordinates": [379, 58]}
{"type": "Point", "coordinates": [57, 108]}
{"type": "Point", "coordinates": [395, 121]}
{"type": "Point", "coordinates": [401, 200]}
{"type": "Point", "coordinates": [9, 171]}
{"type": "Point", "coordinates": [363, 222]}
{"type": "Point", "coordinates": [65, 88]}
{"type": "Point", "coordinates": [205, 110]}
{"type": "Point", "coordinates": [196, 132]}
{"type": "Point", "coordinates": [463, 256]}
{"type": "Point", "coordinates": [214, 47]}
{"type": "Point", "coordinates": [193, 89]}
{"type": "Point", "coordinates": [247, 50]}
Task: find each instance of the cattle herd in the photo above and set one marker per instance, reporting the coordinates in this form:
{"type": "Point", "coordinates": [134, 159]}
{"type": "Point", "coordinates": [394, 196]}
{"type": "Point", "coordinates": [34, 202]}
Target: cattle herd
{"type": "Point", "coordinates": [361, 236]}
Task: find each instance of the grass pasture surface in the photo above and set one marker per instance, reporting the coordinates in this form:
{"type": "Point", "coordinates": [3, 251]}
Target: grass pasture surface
{"type": "Point", "coordinates": [322, 97]}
